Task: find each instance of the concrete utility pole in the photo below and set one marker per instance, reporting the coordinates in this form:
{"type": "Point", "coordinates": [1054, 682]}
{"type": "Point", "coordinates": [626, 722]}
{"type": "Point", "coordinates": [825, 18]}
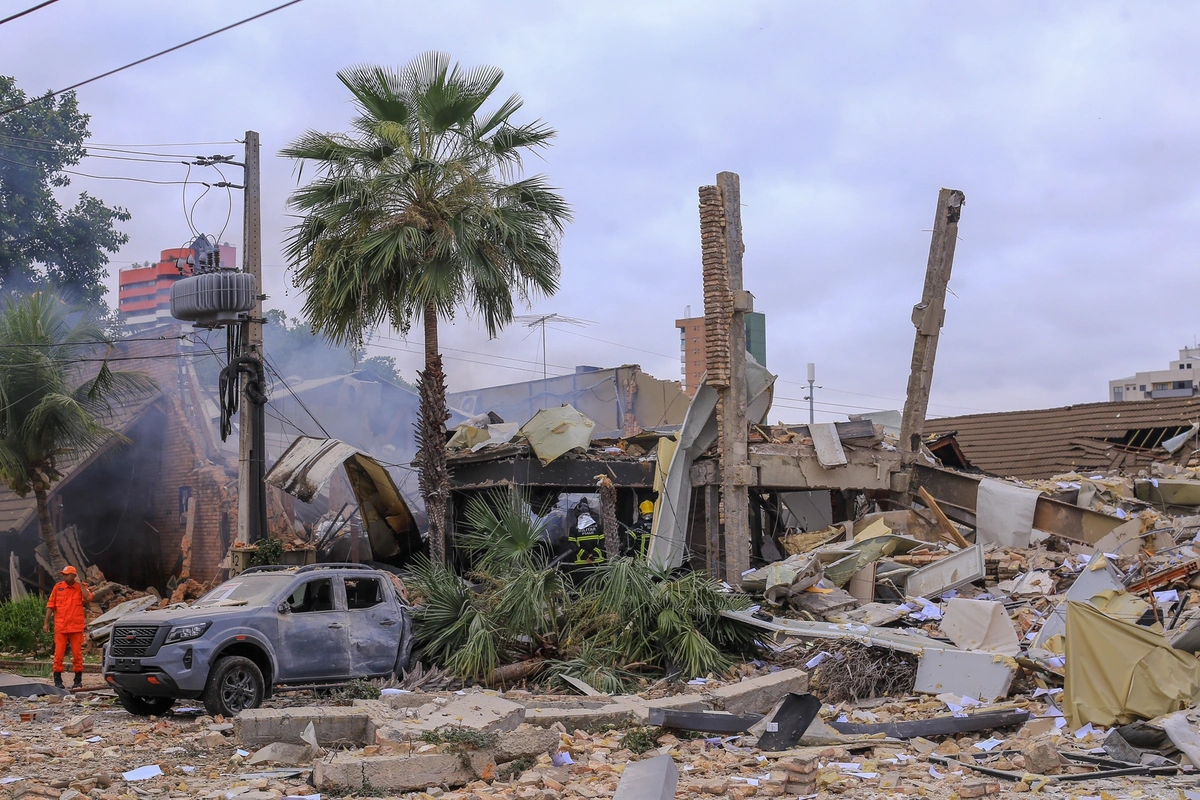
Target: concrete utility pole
{"type": "Point", "coordinates": [928, 317]}
{"type": "Point", "coordinates": [252, 491]}
{"type": "Point", "coordinates": [725, 307]}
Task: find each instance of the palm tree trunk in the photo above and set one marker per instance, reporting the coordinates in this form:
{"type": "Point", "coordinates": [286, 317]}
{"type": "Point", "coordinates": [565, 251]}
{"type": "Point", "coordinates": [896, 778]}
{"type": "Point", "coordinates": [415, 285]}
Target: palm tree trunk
{"type": "Point", "coordinates": [431, 434]}
{"type": "Point", "coordinates": [46, 528]}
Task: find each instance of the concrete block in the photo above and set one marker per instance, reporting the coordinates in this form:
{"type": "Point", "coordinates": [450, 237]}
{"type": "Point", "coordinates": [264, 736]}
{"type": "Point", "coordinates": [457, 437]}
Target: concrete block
{"type": "Point", "coordinates": [759, 695]}
{"type": "Point", "coordinates": [983, 676]}
{"type": "Point", "coordinates": [525, 741]}
{"type": "Point", "coordinates": [333, 725]}
{"type": "Point", "coordinates": [640, 709]}
{"type": "Point", "coordinates": [652, 779]}
{"type": "Point", "coordinates": [392, 773]}
{"type": "Point", "coordinates": [477, 712]}
{"type": "Point", "coordinates": [579, 716]}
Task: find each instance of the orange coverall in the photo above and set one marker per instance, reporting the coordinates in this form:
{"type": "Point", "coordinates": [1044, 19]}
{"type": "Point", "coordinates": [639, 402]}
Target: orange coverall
{"type": "Point", "coordinates": [67, 601]}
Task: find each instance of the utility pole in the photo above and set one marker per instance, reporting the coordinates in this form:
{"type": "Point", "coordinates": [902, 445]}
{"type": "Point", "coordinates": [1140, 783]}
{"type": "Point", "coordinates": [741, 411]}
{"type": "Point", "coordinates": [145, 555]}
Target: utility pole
{"type": "Point", "coordinates": [812, 379]}
{"type": "Point", "coordinates": [252, 491]}
{"type": "Point", "coordinates": [928, 317]}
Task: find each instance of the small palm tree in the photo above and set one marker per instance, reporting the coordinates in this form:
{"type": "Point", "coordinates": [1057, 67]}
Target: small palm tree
{"type": "Point", "coordinates": [50, 413]}
{"type": "Point", "coordinates": [417, 213]}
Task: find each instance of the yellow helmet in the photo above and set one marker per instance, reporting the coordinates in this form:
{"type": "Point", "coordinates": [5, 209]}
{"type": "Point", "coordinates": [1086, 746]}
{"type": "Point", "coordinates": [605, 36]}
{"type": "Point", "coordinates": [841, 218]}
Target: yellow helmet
{"type": "Point", "coordinates": [646, 507]}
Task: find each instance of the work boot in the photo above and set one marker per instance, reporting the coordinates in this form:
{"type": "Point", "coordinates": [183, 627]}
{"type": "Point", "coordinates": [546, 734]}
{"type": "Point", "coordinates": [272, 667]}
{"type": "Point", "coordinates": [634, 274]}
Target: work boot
{"type": "Point", "coordinates": [58, 680]}
{"type": "Point", "coordinates": [78, 684]}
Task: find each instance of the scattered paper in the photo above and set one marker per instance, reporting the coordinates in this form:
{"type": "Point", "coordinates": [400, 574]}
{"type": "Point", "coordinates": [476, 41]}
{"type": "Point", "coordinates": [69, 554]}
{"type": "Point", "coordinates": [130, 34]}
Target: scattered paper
{"type": "Point", "coordinates": [243, 753]}
{"type": "Point", "coordinates": [933, 773]}
{"type": "Point", "coordinates": [1084, 731]}
{"type": "Point", "coordinates": [1170, 596]}
{"type": "Point", "coordinates": [387, 692]}
{"type": "Point", "coordinates": [561, 759]}
{"type": "Point", "coordinates": [11, 779]}
{"type": "Point", "coordinates": [816, 660]}
{"type": "Point", "coordinates": [988, 745]}
{"type": "Point", "coordinates": [187, 770]}
{"type": "Point", "coordinates": [143, 773]}
{"type": "Point", "coordinates": [94, 739]}
{"type": "Point", "coordinates": [864, 774]}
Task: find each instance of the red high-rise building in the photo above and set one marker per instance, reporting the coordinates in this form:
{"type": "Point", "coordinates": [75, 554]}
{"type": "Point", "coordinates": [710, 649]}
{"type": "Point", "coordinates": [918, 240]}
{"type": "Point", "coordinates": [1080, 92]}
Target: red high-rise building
{"type": "Point", "coordinates": [144, 293]}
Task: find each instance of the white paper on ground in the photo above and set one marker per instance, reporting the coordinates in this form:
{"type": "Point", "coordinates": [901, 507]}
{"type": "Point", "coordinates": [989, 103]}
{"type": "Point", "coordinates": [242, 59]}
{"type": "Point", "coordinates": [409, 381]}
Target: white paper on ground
{"type": "Point", "coordinates": [1004, 513]}
{"type": "Point", "coordinates": [143, 773]}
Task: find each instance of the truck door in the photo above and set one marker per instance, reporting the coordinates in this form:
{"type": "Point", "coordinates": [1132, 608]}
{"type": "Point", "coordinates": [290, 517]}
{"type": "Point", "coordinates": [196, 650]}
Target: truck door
{"type": "Point", "coordinates": [375, 628]}
{"type": "Point", "coordinates": [314, 640]}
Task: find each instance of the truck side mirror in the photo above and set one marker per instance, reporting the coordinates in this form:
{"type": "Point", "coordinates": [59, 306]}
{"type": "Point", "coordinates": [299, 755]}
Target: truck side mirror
{"type": "Point", "coordinates": [283, 607]}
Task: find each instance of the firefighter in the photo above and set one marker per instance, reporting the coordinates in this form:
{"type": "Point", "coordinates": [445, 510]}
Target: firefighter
{"type": "Point", "coordinates": [643, 527]}
{"type": "Point", "coordinates": [65, 605]}
{"type": "Point", "coordinates": [586, 536]}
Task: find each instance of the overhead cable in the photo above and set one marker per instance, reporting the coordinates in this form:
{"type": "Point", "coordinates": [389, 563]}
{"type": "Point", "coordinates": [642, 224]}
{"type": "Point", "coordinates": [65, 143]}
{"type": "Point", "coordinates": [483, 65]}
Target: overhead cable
{"type": "Point", "coordinates": [73, 86]}
{"type": "Point", "coordinates": [20, 14]}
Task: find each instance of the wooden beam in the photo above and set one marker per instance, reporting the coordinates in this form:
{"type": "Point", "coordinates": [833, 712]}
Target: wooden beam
{"type": "Point", "coordinates": [949, 532]}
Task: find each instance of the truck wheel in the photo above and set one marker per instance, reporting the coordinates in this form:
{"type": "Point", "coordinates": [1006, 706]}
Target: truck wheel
{"type": "Point", "coordinates": [234, 685]}
{"type": "Point", "coordinates": [145, 706]}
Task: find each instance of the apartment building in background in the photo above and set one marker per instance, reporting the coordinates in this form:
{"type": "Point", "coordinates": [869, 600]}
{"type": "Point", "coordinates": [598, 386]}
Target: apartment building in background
{"type": "Point", "coordinates": [144, 292]}
{"type": "Point", "coordinates": [691, 346]}
{"type": "Point", "coordinates": [1178, 380]}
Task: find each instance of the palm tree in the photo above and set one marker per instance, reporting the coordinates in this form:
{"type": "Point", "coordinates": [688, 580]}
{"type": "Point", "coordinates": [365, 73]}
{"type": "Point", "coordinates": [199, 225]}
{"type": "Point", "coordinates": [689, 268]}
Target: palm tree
{"type": "Point", "coordinates": [50, 413]}
{"type": "Point", "coordinates": [419, 211]}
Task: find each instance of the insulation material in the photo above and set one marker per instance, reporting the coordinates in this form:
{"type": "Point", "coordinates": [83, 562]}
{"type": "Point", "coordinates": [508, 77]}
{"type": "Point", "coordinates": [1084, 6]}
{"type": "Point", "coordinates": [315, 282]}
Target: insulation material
{"type": "Point", "coordinates": [980, 625]}
{"type": "Point", "coordinates": [1004, 513]}
{"type": "Point", "coordinates": [554, 431]}
{"type": "Point", "coordinates": [1117, 672]}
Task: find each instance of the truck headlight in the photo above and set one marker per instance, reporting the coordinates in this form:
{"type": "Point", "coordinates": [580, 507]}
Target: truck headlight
{"type": "Point", "coordinates": [181, 633]}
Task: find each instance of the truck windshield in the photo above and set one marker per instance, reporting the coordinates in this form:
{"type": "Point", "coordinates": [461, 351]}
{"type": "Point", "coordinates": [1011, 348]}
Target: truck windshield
{"type": "Point", "coordinates": [245, 591]}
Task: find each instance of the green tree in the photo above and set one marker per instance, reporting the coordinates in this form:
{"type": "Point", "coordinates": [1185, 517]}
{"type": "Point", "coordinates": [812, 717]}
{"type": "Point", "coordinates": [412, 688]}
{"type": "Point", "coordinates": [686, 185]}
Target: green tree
{"type": "Point", "coordinates": [421, 210]}
{"type": "Point", "coordinates": [41, 243]}
{"type": "Point", "coordinates": [54, 402]}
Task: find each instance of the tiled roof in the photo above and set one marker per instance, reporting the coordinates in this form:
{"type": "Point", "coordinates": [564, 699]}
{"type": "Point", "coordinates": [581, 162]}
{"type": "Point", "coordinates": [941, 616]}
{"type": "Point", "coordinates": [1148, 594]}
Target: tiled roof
{"type": "Point", "coordinates": [1052, 441]}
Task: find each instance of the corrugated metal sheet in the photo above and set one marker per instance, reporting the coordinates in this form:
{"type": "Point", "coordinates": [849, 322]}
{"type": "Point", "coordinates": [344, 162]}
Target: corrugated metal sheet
{"type": "Point", "coordinates": [309, 463]}
{"type": "Point", "coordinates": [1046, 442]}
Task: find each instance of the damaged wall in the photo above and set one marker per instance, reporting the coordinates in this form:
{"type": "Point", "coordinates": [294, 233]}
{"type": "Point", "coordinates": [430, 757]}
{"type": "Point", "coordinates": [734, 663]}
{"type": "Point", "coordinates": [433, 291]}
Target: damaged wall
{"type": "Point", "coordinates": [623, 400]}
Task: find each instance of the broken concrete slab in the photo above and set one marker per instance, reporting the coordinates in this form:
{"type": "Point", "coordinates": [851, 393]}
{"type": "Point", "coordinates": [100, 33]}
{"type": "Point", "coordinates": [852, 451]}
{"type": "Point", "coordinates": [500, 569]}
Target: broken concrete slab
{"type": "Point", "coordinates": [392, 773]}
{"type": "Point", "coordinates": [983, 676]}
{"type": "Point", "coordinates": [525, 741]}
{"type": "Point", "coordinates": [333, 725]}
{"type": "Point", "coordinates": [479, 712]}
{"type": "Point", "coordinates": [759, 695]}
{"type": "Point", "coordinates": [574, 716]}
{"type": "Point", "coordinates": [652, 779]}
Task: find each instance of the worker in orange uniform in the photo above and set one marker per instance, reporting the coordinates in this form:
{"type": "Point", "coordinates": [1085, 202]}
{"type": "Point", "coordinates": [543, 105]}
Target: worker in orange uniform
{"type": "Point", "coordinates": [66, 606]}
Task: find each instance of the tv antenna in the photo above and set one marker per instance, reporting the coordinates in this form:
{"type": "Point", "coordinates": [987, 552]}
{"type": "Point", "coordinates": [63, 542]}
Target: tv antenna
{"type": "Point", "coordinates": [541, 320]}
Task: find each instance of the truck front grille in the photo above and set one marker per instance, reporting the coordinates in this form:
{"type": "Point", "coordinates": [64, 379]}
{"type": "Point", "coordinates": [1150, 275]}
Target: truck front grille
{"type": "Point", "coordinates": [134, 642]}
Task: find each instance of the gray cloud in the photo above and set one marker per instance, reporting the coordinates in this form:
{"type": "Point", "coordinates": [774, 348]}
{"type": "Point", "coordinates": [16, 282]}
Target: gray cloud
{"type": "Point", "coordinates": [1070, 127]}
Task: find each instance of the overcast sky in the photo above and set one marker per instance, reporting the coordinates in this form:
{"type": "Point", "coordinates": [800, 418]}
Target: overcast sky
{"type": "Point", "coordinates": [1072, 128]}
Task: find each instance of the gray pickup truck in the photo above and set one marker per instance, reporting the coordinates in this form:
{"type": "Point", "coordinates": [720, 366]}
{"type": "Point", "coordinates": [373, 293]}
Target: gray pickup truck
{"type": "Point", "coordinates": [270, 626]}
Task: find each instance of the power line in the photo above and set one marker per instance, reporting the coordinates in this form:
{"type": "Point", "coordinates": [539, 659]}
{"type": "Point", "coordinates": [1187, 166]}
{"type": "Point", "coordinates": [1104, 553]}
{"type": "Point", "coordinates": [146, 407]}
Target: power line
{"type": "Point", "coordinates": [73, 86]}
{"type": "Point", "coordinates": [27, 11]}
{"type": "Point", "coordinates": [88, 175]}
{"type": "Point", "coordinates": [93, 155]}
{"type": "Point", "coordinates": [124, 148]}
{"type": "Point", "coordinates": [271, 366]}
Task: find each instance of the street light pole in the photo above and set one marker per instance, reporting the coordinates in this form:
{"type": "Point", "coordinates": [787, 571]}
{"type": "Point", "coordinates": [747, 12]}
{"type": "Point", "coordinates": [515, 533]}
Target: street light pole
{"type": "Point", "coordinates": [812, 379]}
